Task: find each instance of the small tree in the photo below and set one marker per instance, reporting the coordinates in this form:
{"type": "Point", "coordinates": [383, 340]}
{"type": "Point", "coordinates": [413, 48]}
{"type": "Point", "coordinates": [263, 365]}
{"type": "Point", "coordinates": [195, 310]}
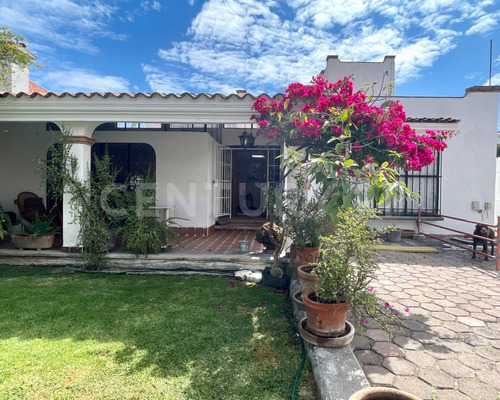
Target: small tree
{"type": "Point", "coordinates": [60, 175]}
{"type": "Point", "coordinates": [11, 52]}
{"type": "Point", "coordinates": [348, 141]}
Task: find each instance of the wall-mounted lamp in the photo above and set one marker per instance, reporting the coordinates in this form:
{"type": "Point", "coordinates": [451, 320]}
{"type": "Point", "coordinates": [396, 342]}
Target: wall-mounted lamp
{"type": "Point", "coordinates": [475, 206]}
{"type": "Point", "coordinates": [246, 139]}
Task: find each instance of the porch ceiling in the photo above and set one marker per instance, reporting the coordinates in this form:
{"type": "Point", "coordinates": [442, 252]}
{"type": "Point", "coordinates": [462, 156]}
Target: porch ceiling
{"type": "Point", "coordinates": [141, 108]}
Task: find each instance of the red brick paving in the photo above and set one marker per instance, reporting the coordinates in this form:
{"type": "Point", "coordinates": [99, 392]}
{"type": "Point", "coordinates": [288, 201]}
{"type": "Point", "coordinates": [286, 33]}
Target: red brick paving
{"type": "Point", "coordinates": [221, 242]}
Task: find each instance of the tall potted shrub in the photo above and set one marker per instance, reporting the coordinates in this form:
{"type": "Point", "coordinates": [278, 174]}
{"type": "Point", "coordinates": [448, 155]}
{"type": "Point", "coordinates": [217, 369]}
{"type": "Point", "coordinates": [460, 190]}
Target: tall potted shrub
{"type": "Point", "coordinates": [346, 267]}
{"type": "Point", "coordinates": [305, 222]}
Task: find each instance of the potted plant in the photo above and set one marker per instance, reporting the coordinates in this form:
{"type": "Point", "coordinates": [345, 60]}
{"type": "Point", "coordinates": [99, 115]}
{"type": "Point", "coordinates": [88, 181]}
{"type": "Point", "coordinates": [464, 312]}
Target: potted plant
{"type": "Point", "coordinates": [346, 267]}
{"type": "Point", "coordinates": [305, 222]}
{"type": "Point", "coordinates": [269, 236]}
{"type": "Point", "coordinates": [38, 234]}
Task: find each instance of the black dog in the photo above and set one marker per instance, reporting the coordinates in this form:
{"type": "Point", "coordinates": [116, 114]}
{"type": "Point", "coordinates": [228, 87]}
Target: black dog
{"type": "Point", "coordinates": [486, 232]}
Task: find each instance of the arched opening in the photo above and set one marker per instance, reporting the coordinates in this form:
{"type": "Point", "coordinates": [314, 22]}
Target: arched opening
{"type": "Point", "coordinates": [132, 160]}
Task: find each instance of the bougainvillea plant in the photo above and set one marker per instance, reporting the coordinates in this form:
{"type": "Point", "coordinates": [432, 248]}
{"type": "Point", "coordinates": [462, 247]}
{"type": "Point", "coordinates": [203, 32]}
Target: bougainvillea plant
{"type": "Point", "coordinates": [349, 141]}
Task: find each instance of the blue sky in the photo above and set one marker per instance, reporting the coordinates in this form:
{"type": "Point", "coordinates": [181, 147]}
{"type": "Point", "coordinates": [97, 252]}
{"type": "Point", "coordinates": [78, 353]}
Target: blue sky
{"type": "Point", "coordinates": [441, 46]}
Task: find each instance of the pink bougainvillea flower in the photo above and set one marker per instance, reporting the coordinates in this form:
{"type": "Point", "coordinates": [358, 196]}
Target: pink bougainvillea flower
{"type": "Point", "coordinates": [363, 321]}
{"type": "Point", "coordinates": [264, 303]}
{"type": "Point", "coordinates": [372, 289]}
{"type": "Point", "coordinates": [396, 312]}
{"type": "Point", "coordinates": [387, 305]}
{"type": "Point", "coordinates": [407, 309]}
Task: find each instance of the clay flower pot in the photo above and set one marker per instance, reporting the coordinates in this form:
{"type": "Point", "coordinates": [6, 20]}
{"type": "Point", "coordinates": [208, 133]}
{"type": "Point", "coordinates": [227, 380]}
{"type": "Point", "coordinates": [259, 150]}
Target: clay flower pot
{"type": "Point", "coordinates": [307, 280]}
{"type": "Point", "coordinates": [303, 255]}
{"type": "Point", "coordinates": [381, 393]}
{"type": "Point", "coordinates": [325, 319]}
{"type": "Point", "coordinates": [38, 243]}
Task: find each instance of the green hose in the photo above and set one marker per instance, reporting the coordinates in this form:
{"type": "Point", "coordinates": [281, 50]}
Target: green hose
{"type": "Point", "coordinates": [303, 360]}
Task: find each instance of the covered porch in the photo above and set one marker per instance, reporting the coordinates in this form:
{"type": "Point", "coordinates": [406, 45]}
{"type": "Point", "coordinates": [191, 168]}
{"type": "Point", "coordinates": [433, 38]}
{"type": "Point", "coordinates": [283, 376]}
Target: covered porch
{"type": "Point", "coordinates": [192, 144]}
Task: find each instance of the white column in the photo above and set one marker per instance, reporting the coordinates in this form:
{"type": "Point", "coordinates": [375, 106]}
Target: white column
{"type": "Point", "coordinates": [81, 144]}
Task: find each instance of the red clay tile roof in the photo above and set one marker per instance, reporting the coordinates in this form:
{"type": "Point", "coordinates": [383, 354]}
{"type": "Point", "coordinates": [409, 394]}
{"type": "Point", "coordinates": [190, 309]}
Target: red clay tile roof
{"type": "Point", "coordinates": [48, 94]}
{"type": "Point", "coordinates": [34, 88]}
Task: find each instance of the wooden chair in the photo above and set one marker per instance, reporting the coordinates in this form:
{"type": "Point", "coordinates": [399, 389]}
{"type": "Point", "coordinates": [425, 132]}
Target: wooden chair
{"type": "Point", "coordinates": [29, 204]}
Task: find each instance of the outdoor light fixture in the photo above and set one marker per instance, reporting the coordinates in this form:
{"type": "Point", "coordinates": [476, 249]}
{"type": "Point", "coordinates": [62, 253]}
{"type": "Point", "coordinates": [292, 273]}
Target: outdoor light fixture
{"type": "Point", "coordinates": [258, 156]}
{"type": "Point", "coordinates": [246, 139]}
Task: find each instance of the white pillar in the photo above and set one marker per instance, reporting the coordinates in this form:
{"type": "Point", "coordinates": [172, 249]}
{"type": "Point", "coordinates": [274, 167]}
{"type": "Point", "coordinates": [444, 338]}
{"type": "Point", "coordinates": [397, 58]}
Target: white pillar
{"type": "Point", "coordinates": [81, 144]}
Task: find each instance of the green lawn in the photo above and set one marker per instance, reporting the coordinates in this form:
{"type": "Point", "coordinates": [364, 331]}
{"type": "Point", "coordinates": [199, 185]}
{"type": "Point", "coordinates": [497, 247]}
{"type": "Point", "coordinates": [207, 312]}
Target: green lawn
{"type": "Point", "coordinates": [96, 336]}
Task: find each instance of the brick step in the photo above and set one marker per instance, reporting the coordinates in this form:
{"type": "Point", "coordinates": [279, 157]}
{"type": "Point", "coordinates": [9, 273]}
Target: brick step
{"type": "Point", "coordinates": [242, 222]}
{"type": "Point", "coordinates": [229, 227]}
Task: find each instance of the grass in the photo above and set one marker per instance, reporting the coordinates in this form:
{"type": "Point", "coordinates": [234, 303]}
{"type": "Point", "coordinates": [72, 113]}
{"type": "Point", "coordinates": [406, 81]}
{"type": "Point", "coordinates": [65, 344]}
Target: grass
{"type": "Point", "coordinates": [95, 336]}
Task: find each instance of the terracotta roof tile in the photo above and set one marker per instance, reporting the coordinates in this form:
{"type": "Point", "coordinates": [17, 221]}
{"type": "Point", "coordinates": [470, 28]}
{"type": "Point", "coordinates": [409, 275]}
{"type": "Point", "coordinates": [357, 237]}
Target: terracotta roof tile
{"type": "Point", "coordinates": [133, 95]}
{"type": "Point", "coordinates": [35, 88]}
{"type": "Point", "coordinates": [438, 120]}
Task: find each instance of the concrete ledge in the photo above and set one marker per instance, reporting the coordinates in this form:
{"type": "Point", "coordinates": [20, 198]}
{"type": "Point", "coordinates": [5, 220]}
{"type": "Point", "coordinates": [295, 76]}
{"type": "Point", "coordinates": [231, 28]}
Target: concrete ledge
{"type": "Point", "coordinates": [337, 372]}
{"type": "Point", "coordinates": [165, 261]}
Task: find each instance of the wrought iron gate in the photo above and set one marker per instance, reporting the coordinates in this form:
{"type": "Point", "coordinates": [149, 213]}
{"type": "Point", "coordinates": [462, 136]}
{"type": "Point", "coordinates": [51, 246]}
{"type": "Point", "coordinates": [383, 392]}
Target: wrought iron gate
{"type": "Point", "coordinates": [222, 182]}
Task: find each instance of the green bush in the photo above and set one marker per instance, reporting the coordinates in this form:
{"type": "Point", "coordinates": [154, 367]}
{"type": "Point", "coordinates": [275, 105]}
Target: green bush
{"type": "Point", "coordinates": [146, 234]}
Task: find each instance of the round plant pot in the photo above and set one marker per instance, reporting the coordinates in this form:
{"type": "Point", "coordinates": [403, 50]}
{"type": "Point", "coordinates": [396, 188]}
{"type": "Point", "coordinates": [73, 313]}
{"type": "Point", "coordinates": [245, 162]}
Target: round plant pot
{"type": "Point", "coordinates": [303, 255]}
{"type": "Point", "coordinates": [322, 341]}
{"type": "Point", "coordinates": [325, 319]}
{"type": "Point", "coordinates": [394, 236]}
{"type": "Point", "coordinates": [297, 301]}
{"type": "Point", "coordinates": [381, 393]}
{"type": "Point", "coordinates": [38, 243]}
{"type": "Point", "coordinates": [307, 280]}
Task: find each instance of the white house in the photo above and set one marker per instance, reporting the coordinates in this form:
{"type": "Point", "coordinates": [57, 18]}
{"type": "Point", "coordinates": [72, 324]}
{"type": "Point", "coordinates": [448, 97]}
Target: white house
{"type": "Point", "coordinates": [203, 173]}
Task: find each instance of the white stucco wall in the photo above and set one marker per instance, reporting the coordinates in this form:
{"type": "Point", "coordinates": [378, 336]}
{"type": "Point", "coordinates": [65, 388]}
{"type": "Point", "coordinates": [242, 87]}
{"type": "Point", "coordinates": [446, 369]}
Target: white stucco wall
{"type": "Point", "coordinates": [184, 169]}
{"type": "Point", "coordinates": [21, 145]}
{"type": "Point", "coordinates": [469, 163]}
{"type": "Point", "coordinates": [362, 73]}
{"type": "Point", "coordinates": [18, 80]}
{"type": "Point", "coordinates": [230, 137]}
{"type": "Point", "coordinates": [497, 190]}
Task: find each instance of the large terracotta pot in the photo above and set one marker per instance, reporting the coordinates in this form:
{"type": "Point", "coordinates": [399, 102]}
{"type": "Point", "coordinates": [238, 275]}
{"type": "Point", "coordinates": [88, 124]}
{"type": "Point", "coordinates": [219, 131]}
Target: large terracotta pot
{"type": "Point", "coordinates": [325, 319]}
{"type": "Point", "coordinates": [38, 243]}
{"type": "Point", "coordinates": [307, 280]}
{"type": "Point", "coordinates": [303, 255]}
{"type": "Point", "coordinates": [381, 393]}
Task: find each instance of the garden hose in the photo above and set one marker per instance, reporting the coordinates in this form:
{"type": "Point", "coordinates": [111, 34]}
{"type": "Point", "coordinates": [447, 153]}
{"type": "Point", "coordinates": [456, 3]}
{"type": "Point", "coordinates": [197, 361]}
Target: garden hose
{"type": "Point", "coordinates": [303, 349]}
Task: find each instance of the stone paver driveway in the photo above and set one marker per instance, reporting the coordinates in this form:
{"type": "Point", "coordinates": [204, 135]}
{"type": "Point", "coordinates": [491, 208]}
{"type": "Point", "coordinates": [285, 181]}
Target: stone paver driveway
{"type": "Point", "coordinates": [450, 347]}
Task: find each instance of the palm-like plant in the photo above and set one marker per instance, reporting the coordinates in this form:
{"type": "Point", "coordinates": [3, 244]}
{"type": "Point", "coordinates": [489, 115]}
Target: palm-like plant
{"type": "Point", "coordinates": [37, 228]}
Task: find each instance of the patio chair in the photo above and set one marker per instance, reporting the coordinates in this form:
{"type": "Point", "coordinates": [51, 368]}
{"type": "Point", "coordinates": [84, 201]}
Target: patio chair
{"type": "Point", "coordinates": [10, 215]}
{"type": "Point", "coordinates": [29, 204]}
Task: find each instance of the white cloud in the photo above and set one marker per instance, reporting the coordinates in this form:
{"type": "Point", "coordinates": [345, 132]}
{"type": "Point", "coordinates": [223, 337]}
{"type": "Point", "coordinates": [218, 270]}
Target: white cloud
{"type": "Point", "coordinates": [67, 24]}
{"type": "Point", "coordinates": [484, 24]}
{"type": "Point", "coordinates": [232, 43]}
{"type": "Point", "coordinates": [495, 80]}
{"type": "Point", "coordinates": [191, 2]}
{"type": "Point", "coordinates": [146, 5]}
{"type": "Point", "coordinates": [81, 80]}
{"type": "Point", "coordinates": [161, 81]}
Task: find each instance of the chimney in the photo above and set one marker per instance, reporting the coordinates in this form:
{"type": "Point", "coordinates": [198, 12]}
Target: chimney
{"type": "Point", "coordinates": [18, 79]}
